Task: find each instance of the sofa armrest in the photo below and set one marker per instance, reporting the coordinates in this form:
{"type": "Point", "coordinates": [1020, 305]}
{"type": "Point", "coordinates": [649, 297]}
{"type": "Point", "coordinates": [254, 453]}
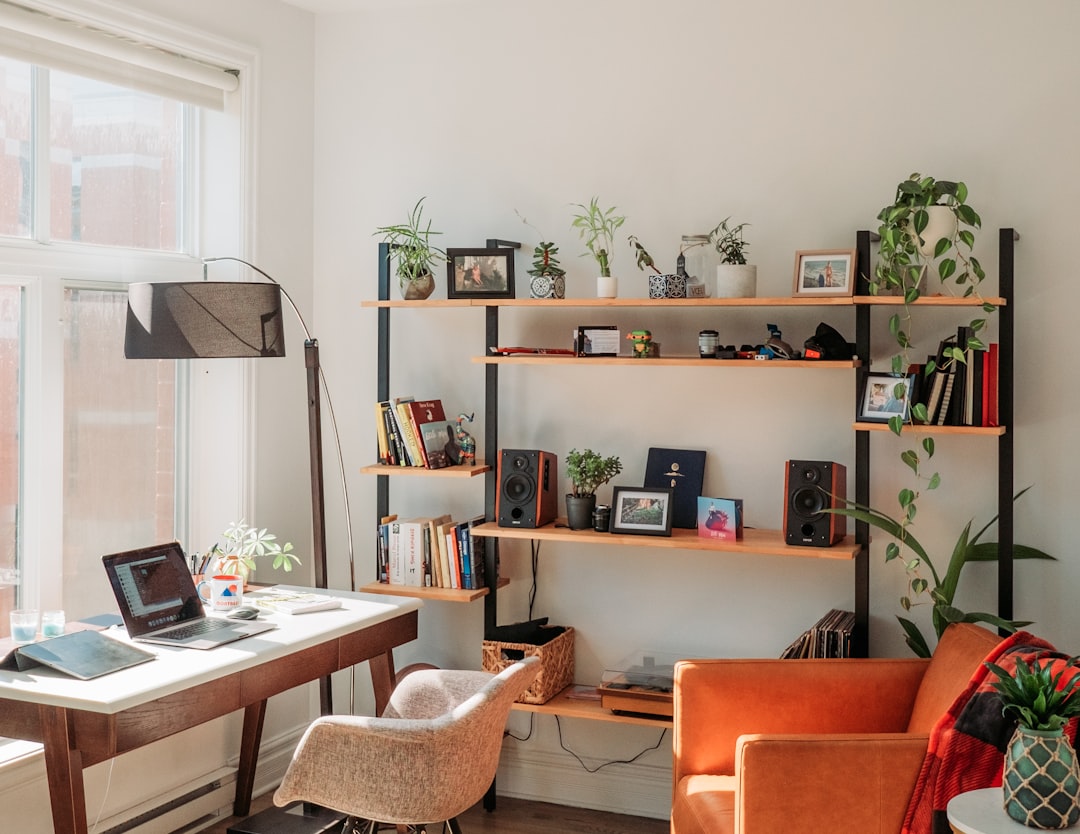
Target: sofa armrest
{"type": "Point", "coordinates": [716, 701]}
{"type": "Point", "coordinates": [828, 784]}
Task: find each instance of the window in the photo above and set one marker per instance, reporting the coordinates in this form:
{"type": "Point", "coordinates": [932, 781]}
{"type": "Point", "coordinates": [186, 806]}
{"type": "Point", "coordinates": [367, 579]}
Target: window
{"type": "Point", "coordinates": [97, 188]}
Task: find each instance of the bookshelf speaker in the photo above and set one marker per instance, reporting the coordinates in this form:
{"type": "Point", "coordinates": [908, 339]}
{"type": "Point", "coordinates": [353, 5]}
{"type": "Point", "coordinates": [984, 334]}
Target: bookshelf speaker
{"type": "Point", "coordinates": [811, 486]}
{"type": "Point", "coordinates": [528, 488]}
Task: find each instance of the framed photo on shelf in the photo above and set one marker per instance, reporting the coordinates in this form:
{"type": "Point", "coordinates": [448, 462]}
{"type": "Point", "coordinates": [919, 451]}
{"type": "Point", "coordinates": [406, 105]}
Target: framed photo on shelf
{"type": "Point", "coordinates": [824, 272]}
{"type": "Point", "coordinates": [886, 396]}
{"type": "Point", "coordinates": [642, 510]}
{"type": "Point", "coordinates": [480, 273]}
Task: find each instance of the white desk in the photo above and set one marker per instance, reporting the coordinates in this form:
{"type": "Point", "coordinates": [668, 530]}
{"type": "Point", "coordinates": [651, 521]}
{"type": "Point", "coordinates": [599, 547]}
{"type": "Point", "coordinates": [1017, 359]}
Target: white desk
{"type": "Point", "coordinates": [982, 812]}
{"type": "Point", "coordinates": [82, 723]}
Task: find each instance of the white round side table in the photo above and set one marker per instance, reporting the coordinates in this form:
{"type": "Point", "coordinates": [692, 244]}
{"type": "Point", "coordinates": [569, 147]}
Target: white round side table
{"type": "Point", "coordinates": [982, 812]}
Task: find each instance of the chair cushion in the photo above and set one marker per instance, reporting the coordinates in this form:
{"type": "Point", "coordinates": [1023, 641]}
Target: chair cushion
{"type": "Point", "coordinates": [704, 805]}
{"type": "Point", "coordinates": [961, 649]}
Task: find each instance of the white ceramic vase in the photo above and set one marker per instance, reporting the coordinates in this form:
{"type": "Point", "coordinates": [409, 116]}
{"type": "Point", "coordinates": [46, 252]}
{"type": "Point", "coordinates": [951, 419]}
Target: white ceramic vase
{"type": "Point", "coordinates": [607, 286]}
{"type": "Point", "coordinates": [736, 280]}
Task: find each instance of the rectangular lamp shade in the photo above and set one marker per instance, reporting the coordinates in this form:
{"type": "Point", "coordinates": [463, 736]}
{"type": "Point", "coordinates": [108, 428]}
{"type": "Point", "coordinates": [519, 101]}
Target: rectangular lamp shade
{"type": "Point", "coordinates": [203, 320]}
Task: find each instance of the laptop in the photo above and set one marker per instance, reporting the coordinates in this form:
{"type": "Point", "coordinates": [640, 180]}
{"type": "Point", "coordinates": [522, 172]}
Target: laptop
{"type": "Point", "coordinates": [159, 604]}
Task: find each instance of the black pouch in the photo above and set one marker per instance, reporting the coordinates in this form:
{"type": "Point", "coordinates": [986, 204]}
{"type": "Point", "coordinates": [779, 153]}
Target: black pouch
{"type": "Point", "coordinates": [827, 343]}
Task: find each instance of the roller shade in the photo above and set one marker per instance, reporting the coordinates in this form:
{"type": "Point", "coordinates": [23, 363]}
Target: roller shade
{"type": "Point", "coordinates": [48, 41]}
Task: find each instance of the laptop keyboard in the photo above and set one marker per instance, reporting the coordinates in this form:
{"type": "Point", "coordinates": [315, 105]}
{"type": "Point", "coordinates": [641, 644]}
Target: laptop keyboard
{"type": "Point", "coordinates": [194, 629]}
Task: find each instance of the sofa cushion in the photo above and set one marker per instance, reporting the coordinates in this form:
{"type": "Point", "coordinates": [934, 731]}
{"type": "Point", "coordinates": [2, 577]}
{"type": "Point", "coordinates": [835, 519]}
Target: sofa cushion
{"type": "Point", "coordinates": [961, 649]}
{"type": "Point", "coordinates": [704, 805]}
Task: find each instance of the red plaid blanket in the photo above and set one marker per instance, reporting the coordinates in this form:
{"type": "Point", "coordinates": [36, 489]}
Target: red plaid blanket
{"type": "Point", "coordinates": [967, 745]}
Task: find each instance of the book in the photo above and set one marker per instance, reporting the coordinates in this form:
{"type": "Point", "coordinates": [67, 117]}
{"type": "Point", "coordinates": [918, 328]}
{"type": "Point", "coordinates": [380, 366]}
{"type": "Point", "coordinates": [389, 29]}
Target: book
{"type": "Point", "coordinates": [445, 552]}
{"type": "Point", "coordinates": [429, 423]}
{"type": "Point", "coordinates": [477, 550]}
{"type": "Point", "coordinates": [465, 555]}
{"type": "Point", "coordinates": [720, 518]}
{"type": "Point", "coordinates": [405, 429]}
{"type": "Point", "coordinates": [381, 435]}
{"type": "Point", "coordinates": [684, 471]}
{"type": "Point", "coordinates": [396, 570]}
{"type": "Point", "coordinates": [293, 602]}
{"type": "Point", "coordinates": [992, 384]}
{"type": "Point", "coordinates": [435, 547]}
{"type": "Point", "coordinates": [411, 547]}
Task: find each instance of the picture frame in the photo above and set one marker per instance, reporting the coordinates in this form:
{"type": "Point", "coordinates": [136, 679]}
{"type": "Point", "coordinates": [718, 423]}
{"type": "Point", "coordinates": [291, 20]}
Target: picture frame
{"type": "Point", "coordinates": [597, 340]}
{"type": "Point", "coordinates": [480, 273]}
{"type": "Point", "coordinates": [824, 272]}
{"type": "Point", "coordinates": [644, 511]}
{"type": "Point", "coordinates": [879, 403]}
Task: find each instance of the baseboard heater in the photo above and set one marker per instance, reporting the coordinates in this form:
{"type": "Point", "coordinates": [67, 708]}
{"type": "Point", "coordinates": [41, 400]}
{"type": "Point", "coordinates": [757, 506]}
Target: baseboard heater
{"type": "Point", "coordinates": [165, 808]}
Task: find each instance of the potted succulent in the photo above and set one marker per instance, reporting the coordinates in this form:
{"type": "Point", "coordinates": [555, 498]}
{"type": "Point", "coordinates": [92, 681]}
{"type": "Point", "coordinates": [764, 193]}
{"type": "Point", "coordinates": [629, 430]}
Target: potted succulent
{"type": "Point", "coordinates": [244, 544]}
{"type": "Point", "coordinates": [587, 471]}
{"type": "Point", "coordinates": [661, 284]}
{"type": "Point", "coordinates": [414, 253]}
{"type": "Point", "coordinates": [942, 591]}
{"type": "Point", "coordinates": [548, 278]}
{"type": "Point", "coordinates": [1040, 782]}
{"type": "Point", "coordinates": [735, 278]}
{"type": "Point", "coordinates": [597, 228]}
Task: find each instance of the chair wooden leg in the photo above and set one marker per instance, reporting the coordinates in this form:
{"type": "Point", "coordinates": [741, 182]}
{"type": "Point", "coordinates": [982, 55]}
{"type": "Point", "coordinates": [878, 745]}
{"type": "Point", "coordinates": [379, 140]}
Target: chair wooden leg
{"type": "Point", "coordinates": [454, 826]}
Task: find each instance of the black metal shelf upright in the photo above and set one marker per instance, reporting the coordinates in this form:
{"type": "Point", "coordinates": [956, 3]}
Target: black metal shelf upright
{"type": "Point", "coordinates": [1007, 239]}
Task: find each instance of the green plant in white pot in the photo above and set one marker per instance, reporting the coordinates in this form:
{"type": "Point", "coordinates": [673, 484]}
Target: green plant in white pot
{"type": "Point", "coordinates": [413, 252]}
{"type": "Point", "coordinates": [735, 278]}
{"type": "Point", "coordinates": [587, 471]}
{"type": "Point", "coordinates": [245, 544]}
{"type": "Point", "coordinates": [597, 228]}
{"type": "Point", "coordinates": [1040, 781]}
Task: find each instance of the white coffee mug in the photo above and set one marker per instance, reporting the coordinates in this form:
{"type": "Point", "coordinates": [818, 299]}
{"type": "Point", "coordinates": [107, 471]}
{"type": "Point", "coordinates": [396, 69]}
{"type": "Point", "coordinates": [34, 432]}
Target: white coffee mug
{"type": "Point", "coordinates": [225, 591]}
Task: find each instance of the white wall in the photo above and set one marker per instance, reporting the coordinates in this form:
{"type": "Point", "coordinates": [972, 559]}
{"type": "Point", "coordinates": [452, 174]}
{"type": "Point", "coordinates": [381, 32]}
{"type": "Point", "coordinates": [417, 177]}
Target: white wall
{"type": "Point", "coordinates": [797, 118]}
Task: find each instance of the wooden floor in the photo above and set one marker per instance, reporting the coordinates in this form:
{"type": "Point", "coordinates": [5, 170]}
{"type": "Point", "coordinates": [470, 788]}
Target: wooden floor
{"type": "Point", "coordinates": [519, 816]}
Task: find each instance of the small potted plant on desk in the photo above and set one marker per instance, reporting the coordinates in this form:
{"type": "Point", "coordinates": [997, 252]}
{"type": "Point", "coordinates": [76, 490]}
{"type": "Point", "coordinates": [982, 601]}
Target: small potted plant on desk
{"type": "Point", "coordinates": [587, 471]}
{"type": "Point", "coordinates": [597, 228]}
{"type": "Point", "coordinates": [416, 257]}
{"type": "Point", "coordinates": [243, 544]}
{"type": "Point", "coordinates": [1040, 781]}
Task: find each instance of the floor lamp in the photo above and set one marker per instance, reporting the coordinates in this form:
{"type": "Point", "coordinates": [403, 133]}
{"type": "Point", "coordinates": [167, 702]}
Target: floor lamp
{"type": "Point", "coordinates": [217, 320]}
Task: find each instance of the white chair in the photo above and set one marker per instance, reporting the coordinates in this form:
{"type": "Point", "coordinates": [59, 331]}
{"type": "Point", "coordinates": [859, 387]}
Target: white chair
{"type": "Point", "coordinates": [432, 755]}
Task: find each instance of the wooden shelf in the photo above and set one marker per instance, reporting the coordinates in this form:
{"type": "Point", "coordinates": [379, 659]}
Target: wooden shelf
{"type": "Point", "coordinates": [569, 707]}
{"type": "Point", "coordinates": [461, 471]}
{"type": "Point", "coordinates": [616, 302]}
{"type": "Point", "coordinates": [683, 361]}
{"type": "Point", "coordinates": [768, 542]}
{"type": "Point", "coordinates": [440, 594]}
{"type": "Point", "coordinates": [986, 431]}
{"type": "Point", "coordinates": [929, 301]}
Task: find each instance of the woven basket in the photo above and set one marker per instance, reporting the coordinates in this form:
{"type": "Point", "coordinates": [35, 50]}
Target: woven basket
{"type": "Point", "coordinates": [556, 664]}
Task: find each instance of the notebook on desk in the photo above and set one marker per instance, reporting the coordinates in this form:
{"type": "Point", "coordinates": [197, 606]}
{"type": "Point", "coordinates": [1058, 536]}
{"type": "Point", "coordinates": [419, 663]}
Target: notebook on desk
{"type": "Point", "coordinates": [159, 603]}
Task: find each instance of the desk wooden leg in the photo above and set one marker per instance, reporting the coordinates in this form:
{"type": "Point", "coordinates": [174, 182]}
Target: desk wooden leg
{"type": "Point", "coordinates": [63, 764]}
{"type": "Point", "coordinates": [249, 757]}
{"type": "Point", "coordinates": [382, 679]}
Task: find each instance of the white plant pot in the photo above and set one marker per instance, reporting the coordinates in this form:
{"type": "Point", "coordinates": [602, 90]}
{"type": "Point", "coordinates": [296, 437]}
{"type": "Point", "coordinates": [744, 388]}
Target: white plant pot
{"type": "Point", "coordinates": [607, 286]}
{"type": "Point", "coordinates": [736, 280]}
{"type": "Point", "coordinates": [941, 223]}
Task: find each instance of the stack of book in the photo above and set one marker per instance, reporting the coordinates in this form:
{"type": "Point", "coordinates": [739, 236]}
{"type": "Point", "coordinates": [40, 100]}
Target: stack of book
{"type": "Point", "coordinates": [412, 432]}
{"type": "Point", "coordinates": [828, 637]}
{"type": "Point", "coordinates": [960, 392]}
{"type": "Point", "coordinates": [430, 553]}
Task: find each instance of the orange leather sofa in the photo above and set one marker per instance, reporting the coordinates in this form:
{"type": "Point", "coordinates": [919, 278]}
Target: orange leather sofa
{"type": "Point", "coordinates": [810, 746]}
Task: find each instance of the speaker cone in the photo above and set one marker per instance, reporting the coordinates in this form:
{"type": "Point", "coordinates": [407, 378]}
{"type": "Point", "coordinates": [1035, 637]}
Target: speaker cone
{"type": "Point", "coordinates": [519, 487]}
{"type": "Point", "coordinates": [809, 501]}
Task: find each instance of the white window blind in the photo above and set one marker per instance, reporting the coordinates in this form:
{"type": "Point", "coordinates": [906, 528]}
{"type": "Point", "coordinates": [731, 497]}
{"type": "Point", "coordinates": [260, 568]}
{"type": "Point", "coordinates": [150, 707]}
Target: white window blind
{"type": "Point", "coordinates": [47, 40]}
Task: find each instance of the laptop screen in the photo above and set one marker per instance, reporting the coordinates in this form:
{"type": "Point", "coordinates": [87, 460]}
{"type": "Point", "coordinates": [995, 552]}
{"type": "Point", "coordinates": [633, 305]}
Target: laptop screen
{"type": "Point", "coordinates": [153, 588]}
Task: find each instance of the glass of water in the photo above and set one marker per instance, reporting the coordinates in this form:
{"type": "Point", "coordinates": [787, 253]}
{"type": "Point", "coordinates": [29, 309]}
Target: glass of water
{"type": "Point", "coordinates": [24, 624]}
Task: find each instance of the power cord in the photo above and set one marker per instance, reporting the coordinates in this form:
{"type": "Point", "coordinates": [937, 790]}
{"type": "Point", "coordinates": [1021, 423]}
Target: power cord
{"type": "Point", "coordinates": [587, 769]}
{"type": "Point", "coordinates": [532, 725]}
{"type": "Point", "coordinates": [534, 548]}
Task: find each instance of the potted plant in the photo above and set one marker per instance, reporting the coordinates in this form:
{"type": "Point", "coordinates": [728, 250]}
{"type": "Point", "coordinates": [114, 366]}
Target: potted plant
{"type": "Point", "coordinates": [941, 588]}
{"type": "Point", "coordinates": [1040, 782]}
{"type": "Point", "coordinates": [735, 278]}
{"type": "Point", "coordinates": [597, 228]}
{"type": "Point", "coordinates": [661, 284]}
{"type": "Point", "coordinates": [244, 544]}
{"type": "Point", "coordinates": [587, 471]}
{"type": "Point", "coordinates": [548, 277]}
{"type": "Point", "coordinates": [414, 253]}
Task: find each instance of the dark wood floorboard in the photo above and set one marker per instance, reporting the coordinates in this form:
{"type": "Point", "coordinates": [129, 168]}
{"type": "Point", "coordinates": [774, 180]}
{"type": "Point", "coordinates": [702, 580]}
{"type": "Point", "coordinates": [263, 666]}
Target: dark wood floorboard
{"type": "Point", "coordinates": [520, 816]}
